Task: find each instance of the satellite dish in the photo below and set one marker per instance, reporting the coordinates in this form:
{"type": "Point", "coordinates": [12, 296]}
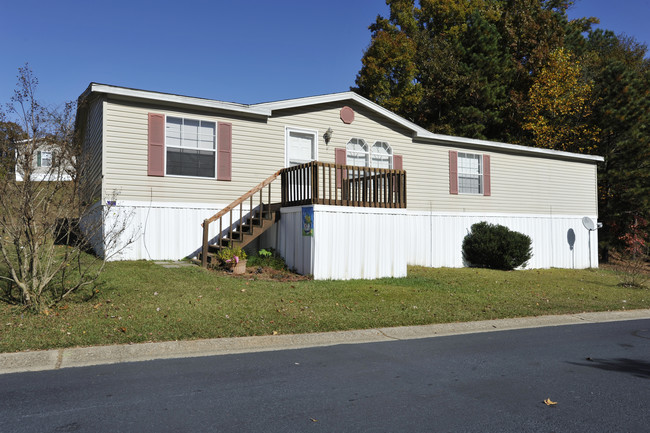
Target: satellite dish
{"type": "Point", "coordinates": [588, 223]}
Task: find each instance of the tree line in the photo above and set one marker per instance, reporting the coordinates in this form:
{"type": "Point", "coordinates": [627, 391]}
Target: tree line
{"type": "Point", "coordinates": [520, 71]}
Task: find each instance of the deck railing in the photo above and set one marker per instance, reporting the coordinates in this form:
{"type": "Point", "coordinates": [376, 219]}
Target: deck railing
{"type": "Point", "coordinates": [343, 185]}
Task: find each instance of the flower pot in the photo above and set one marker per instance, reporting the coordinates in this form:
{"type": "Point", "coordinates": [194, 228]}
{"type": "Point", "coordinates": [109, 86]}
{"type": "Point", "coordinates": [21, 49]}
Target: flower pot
{"type": "Point", "coordinates": [239, 268]}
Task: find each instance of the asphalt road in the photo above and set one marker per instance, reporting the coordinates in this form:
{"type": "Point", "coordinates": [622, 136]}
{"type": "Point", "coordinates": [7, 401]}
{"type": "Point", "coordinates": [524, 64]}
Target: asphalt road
{"type": "Point", "coordinates": [599, 375]}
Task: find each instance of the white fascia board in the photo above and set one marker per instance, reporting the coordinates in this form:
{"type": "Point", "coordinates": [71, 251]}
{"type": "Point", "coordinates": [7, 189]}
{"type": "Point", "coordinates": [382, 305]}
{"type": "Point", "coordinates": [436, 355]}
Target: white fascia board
{"type": "Point", "coordinates": [459, 141]}
{"type": "Point", "coordinates": [175, 99]}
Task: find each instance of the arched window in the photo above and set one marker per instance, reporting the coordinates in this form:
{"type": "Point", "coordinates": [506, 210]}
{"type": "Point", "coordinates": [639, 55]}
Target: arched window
{"type": "Point", "coordinates": [357, 152]}
{"type": "Point", "coordinates": [381, 155]}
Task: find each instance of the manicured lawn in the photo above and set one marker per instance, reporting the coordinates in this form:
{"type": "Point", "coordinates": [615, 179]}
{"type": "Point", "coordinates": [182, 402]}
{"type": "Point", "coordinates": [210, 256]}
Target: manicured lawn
{"type": "Point", "coordinates": [141, 301]}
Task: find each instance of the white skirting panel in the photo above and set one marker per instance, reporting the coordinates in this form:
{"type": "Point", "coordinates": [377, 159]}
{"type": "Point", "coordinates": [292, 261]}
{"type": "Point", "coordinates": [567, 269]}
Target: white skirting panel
{"type": "Point", "coordinates": [91, 224]}
{"type": "Point", "coordinates": [435, 239]}
{"type": "Point", "coordinates": [296, 249]}
{"type": "Point", "coordinates": [348, 243]}
{"type": "Point", "coordinates": [157, 231]}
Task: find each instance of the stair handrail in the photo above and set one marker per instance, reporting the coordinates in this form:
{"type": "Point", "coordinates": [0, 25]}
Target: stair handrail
{"type": "Point", "coordinates": [241, 199]}
{"type": "Point", "coordinates": [206, 223]}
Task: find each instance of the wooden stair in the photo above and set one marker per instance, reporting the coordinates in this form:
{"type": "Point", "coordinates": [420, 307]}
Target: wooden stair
{"type": "Point", "coordinates": [240, 231]}
{"type": "Point", "coordinates": [245, 233]}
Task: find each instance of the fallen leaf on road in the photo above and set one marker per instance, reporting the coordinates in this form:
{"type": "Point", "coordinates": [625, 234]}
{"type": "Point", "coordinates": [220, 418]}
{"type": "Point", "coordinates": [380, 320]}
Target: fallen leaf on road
{"type": "Point", "coordinates": [549, 402]}
{"type": "Point", "coordinates": [313, 420]}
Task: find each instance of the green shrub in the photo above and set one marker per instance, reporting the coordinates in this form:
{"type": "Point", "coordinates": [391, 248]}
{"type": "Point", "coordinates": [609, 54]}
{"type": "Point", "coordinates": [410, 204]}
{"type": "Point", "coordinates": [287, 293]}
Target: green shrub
{"type": "Point", "coordinates": [496, 247]}
{"type": "Point", "coordinates": [268, 259]}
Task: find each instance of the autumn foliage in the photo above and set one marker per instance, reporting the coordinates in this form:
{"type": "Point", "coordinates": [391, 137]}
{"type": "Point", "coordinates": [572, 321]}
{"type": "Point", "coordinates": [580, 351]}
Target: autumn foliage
{"type": "Point", "coordinates": [521, 72]}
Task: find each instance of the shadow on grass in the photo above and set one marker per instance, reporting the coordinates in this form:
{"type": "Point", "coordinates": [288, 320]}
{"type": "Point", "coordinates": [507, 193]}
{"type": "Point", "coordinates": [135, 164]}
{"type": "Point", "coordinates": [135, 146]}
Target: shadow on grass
{"type": "Point", "coordinates": [636, 367]}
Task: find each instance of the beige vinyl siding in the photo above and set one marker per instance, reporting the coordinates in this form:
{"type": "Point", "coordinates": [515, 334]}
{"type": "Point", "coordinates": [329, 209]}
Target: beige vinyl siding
{"type": "Point", "coordinates": [366, 125]}
{"type": "Point", "coordinates": [254, 158]}
{"type": "Point", "coordinates": [521, 184]}
{"type": "Point", "coordinates": [91, 179]}
{"type": "Point", "coordinates": [258, 151]}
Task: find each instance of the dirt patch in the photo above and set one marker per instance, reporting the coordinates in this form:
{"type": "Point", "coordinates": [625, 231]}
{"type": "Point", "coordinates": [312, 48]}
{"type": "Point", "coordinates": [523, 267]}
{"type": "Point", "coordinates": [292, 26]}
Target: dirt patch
{"type": "Point", "coordinates": [263, 273]}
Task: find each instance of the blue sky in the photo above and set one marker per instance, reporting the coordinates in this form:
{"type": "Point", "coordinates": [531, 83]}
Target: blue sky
{"type": "Point", "coordinates": [241, 51]}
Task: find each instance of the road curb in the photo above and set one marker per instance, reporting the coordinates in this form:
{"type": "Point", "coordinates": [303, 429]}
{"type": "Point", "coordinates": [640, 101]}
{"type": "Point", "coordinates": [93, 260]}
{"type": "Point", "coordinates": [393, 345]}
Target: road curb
{"type": "Point", "coordinates": [97, 355]}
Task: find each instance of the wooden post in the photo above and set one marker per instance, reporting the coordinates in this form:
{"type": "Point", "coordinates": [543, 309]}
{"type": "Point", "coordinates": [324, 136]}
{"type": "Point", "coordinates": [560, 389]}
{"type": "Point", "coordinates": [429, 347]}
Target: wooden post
{"type": "Point", "coordinates": [241, 217]}
{"type": "Point", "coordinates": [314, 182]}
{"type": "Point", "coordinates": [404, 190]}
{"type": "Point", "coordinates": [329, 182]}
{"type": "Point", "coordinates": [230, 231]}
{"type": "Point", "coordinates": [283, 198]}
{"type": "Point", "coordinates": [204, 250]}
{"type": "Point", "coordinates": [250, 214]}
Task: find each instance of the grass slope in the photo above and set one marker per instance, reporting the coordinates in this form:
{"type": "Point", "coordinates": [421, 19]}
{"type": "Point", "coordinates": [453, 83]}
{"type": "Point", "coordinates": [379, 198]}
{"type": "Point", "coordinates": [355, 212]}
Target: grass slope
{"type": "Point", "coordinates": [141, 301]}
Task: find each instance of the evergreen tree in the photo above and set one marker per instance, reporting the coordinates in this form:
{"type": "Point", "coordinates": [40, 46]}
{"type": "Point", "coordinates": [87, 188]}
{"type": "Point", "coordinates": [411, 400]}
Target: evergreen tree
{"type": "Point", "coordinates": [520, 71]}
{"type": "Point", "coordinates": [460, 68]}
{"type": "Point", "coordinates": [488, 72]}
{"type": "Point", "coordinates": [622, 86]}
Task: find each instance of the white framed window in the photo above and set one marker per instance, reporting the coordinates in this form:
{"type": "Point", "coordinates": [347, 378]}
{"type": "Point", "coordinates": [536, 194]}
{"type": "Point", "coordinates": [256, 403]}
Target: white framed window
{"type": "Point", "coordinates": [44, 159]}
{"type": "Point", "coordinates": [190, 147]}
{"type": "Point", "coordinates": [381, 155]}
{"type": "Point", "coordinates": [301, 146]}
{"type": "Point", "coordinates": [470, 173]}
{"type": "Point", "coordinates": [357, 152]}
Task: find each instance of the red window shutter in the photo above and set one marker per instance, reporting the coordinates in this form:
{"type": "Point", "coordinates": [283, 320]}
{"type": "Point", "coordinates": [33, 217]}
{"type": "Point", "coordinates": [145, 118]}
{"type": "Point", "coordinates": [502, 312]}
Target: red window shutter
{"type": "Point", "coordinates": [397, 162]}
{"type": "Point", "coordinates": [397, 165]}
{"type": "Point", "coordinates": [340, 158]}
{"type": "Point", "coordinates": [453, 172]}
{"type": "Point", "coordinates": [487, 190]}
{"type": "Point", "coordinates": [156, 145]}
{"type": "Point", "coordinates": [224, 151]}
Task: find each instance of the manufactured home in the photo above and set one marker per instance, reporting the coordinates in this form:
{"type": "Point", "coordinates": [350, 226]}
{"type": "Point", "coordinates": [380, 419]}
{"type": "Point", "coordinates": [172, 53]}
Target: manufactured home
{"type": "Point", "coordinates": [45, 163]}
{"type": "Point", "coordinates": [341, 187]}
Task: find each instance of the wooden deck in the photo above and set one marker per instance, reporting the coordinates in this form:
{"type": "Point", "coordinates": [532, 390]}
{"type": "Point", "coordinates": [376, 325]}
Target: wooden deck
{"type": "Point", "coordinates": [312, 183]}
{"type": "Point", "coordinates": [343, 185]}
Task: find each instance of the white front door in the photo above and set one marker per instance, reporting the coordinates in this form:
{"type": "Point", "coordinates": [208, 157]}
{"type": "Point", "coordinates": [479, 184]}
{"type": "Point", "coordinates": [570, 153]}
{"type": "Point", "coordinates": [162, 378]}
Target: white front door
{"type": "Point", "coordinates": [301, 146]}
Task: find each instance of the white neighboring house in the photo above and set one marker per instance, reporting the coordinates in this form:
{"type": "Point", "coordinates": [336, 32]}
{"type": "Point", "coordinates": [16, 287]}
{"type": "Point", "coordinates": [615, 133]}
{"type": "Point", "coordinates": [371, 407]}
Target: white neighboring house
{"type": "Point", "coordinates": [168, 162]}
{"type": "Point", "coordinates": [45, 166]}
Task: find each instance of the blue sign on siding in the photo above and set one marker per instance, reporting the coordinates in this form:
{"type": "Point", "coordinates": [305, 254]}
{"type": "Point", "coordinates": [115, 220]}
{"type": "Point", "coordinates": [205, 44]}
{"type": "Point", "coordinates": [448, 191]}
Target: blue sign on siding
{"type": "Point", "coordinates": [308, 221]}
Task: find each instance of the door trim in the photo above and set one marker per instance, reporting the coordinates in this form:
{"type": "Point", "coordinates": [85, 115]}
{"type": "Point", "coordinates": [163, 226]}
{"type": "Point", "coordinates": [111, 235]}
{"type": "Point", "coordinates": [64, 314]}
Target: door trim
{"type": "Point", "coordinates": [290, 129]}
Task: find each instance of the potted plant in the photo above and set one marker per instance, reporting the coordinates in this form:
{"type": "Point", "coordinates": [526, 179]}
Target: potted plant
{"type": "Point", "coordinates": [233, 258]}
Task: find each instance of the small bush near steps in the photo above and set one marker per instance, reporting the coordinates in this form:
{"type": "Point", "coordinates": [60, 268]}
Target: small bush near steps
{"type": "Point", "coordinates": [267, 258]}
{"type": "Point", "coordinates": [496, 247]}
{"type": "Point", "coordinates": [229, 257]}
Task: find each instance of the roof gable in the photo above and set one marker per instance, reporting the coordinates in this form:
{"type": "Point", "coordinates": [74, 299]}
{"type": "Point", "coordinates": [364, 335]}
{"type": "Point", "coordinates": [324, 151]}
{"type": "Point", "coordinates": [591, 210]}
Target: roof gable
{"type": "Point", "coordinates": [266, 109]}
